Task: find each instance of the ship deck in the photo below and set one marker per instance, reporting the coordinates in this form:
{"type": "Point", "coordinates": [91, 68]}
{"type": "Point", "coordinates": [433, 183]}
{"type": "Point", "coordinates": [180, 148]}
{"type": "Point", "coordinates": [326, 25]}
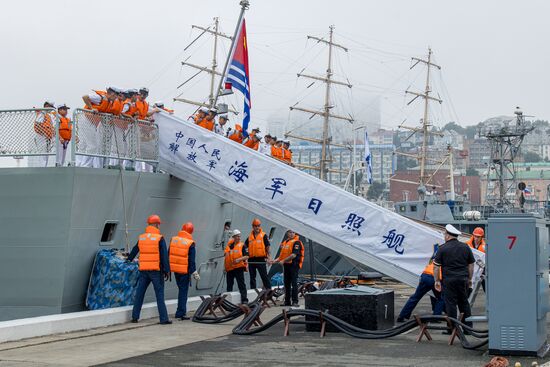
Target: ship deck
{"type": "Point", "coordinates": [192, 344]}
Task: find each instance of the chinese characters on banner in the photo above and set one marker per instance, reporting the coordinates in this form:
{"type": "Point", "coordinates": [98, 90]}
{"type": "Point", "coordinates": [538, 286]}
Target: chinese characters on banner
{"type": "Point", "coordinates": [283, 189]}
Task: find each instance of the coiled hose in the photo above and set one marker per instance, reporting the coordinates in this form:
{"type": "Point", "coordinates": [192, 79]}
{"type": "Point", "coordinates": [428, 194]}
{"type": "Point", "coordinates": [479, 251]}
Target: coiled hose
{"type": "Point", "coordinates": [244, 327]}
{"type": "Point", "coordinates": [233, 311]}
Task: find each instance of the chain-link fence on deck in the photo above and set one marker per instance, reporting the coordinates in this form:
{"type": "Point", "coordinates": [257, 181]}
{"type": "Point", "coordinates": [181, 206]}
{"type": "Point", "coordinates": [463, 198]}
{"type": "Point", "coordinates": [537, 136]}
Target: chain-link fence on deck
{"type": "Point", "coordinates": [147, 139]}
{"type": "Point", "coordinates": [115, 137]}
{"type": "Point", "coordinates": [30, 132]}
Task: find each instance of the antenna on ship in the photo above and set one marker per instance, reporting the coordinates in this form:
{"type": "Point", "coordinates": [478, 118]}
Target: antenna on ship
{"type": "Point", "coordinates": [505, 142]}
{"type": "Point", "coordinates": [325, 142]}
{"type": "Point", "coordinates": [424, 179]}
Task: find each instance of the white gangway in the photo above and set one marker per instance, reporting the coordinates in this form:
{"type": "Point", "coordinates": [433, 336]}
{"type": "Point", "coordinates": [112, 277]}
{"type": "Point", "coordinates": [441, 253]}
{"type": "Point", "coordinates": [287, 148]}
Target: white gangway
{"type": "Point", "coordinates": [324, 213]}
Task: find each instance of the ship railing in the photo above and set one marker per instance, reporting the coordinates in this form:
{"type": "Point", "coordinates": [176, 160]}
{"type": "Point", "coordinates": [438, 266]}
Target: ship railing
{"type": "Point", "coordinates": [29, 136]}
{"type": "Point", "coordinates": [114, 138]}
{"type": "Point", "coordinates": [28, 132]}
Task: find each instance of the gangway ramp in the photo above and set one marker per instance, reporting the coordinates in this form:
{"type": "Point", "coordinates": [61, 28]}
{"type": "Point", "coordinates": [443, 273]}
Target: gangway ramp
{"type": "Point", "coordinates": [324, 213]}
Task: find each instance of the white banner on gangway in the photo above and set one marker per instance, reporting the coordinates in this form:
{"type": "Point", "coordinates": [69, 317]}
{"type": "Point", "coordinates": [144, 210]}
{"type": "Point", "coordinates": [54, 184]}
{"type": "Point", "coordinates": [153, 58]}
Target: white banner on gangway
{"type": "Point", "coordinates": [337, 219]}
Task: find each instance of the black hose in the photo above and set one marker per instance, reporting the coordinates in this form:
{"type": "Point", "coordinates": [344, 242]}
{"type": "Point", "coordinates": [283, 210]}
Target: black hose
{"type": "Point", "coordinates": [233, 310]}
{"type": "Point", "coordinates": [244, 327]}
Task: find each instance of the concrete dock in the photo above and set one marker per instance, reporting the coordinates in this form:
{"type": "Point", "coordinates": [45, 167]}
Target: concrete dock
{"type": "Point", "coordinates": [185, 343]}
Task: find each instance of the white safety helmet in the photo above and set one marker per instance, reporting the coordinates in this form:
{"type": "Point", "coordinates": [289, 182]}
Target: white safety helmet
{"type": "Point", "coordinates": [235, 232]}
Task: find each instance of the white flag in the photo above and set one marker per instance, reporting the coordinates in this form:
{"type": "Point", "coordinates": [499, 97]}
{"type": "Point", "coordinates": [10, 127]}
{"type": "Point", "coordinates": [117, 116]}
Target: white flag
{"type": "Point", "coordinates": [368, 159]}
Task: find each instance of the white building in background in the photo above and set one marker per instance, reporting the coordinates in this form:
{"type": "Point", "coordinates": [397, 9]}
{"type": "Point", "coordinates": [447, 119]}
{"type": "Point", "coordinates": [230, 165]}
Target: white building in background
{"type": "Point", "coordinates": [383, 161]}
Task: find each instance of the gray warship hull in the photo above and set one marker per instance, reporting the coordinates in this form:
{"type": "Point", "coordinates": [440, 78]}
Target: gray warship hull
{"type": "Point", "coordinates": [54, 220]}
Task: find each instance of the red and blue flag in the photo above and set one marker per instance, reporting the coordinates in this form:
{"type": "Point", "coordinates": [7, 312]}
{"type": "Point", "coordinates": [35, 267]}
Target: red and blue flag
{"type": "Point", "coordinates": [237, 71]}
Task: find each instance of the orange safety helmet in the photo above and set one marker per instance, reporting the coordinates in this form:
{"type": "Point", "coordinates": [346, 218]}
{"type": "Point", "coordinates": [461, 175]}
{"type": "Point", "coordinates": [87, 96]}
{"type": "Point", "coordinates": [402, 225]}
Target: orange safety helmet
{"type": "Point", "coordinates": [188, 227]}
{"type": "Point", "coordinates": [238, 127]}
{"type": "Point", "coordinates": [256, 222]}
{"type": "Point", "coordinates": [478, 231]}
{"type": "Point", "coordinates": [153, 219]}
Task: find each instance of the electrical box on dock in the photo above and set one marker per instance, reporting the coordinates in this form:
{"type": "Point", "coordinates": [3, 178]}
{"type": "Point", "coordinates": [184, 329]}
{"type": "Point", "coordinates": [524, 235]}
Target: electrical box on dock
{"type": "Point", "coordinates": [517, 284]}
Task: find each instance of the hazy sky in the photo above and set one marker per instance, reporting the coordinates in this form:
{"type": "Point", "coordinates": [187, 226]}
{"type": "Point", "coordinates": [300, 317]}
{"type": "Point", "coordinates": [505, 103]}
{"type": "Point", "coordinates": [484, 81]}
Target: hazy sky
{"type": "Point", "coordinates": [495, 54]}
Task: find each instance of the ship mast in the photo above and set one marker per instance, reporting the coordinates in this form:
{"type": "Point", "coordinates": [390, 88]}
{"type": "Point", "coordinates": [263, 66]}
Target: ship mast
{"type": "Point", "coordinates": [212, 70]}
{"type": "Point", "coordinates": [425, 122]}
{"type": "Point", "coordinates": [424, 179]}
{"type": "Point", "coordinates": [326, 113]}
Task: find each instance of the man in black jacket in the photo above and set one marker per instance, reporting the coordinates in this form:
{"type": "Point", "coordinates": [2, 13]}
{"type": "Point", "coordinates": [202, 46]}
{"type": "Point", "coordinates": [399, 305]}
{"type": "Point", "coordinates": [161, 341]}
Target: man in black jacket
{"type": "Point", "coordinates": [456, 261]}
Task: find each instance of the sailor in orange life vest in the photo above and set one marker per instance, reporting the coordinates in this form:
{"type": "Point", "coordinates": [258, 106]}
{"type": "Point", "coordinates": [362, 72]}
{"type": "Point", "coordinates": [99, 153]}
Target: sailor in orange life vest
{"type": "Point", "coordinates": [65, 130]}
{"type": "Point", "coordinates": [45, 133]}
{"type": "Point", "coordinates": [124, 105]}
{"type": "Point", "coordinates": [160, 107]}
{"type": "Point", "coordinates": [236, 255]}
{"type": "Point", "coordinates": [478, 242]}
{"type": "Point", "coordinates": [425, 285]}
{"type": "Point", "coordinates": [208, 121]}
{"type": "Point", "coordinates": [258, 251]}
{"type": "Point", "coordinates": [291, 258]}
{"type": "Point", "coordinates": [153, 264]}
{"type": "Point", "coordinates": [182, 263]}
{"type": "Point", "coordinates": [98, 101]}
{"type": "Point", "coordinates": [287, 153]}
{"type": "Point", "coordinates": [199, 116]}
{"type": "Point", "coordinates": [236, 135]}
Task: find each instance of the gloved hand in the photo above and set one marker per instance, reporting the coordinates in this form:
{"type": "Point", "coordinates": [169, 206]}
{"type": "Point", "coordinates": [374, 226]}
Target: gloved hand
{"type": "Point", "coordinates": [196, 276]}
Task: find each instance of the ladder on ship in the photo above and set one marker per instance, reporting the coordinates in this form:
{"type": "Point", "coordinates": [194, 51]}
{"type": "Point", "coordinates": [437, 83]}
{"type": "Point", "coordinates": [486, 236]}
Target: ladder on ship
{"type": "Point", "coordinates": [348, 224]}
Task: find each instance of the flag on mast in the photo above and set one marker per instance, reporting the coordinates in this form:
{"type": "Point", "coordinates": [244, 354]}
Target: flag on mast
{"type": "Point", "coordinates": [368, 159]}
{"type": "Point", "coordinates": [237, 72]}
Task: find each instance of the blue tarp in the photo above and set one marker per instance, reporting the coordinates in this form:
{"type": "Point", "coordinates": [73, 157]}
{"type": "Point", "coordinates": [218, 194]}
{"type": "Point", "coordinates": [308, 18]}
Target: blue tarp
{"type": "Point", "coordinates": [113, 281]}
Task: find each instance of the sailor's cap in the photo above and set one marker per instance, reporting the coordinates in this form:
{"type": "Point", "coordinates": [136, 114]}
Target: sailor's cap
{"type": "Point", "coordinates": [259, 136]}
{"type": "Point", "coordinates": [50, 102]}
{"type": "Point", "coordinates": [286, 141]}
{"type": "Point", "coordinates": [452, 230]}
{"type": "Point", "coordinates": [213, 110]}
{"type": "Point", "coordinates": [63, 105]}
{"type": "Point", "coordinates": [159, 104]}
{"type": "Point", "coordinates": [224, 116]}
{"type": "Point", "coordinates": [204, 110]}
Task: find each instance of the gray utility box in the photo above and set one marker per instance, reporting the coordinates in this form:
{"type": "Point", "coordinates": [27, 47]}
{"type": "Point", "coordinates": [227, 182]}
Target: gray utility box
{"type": "Point", "coordinates": [364, 307]}
{"type": "Point", "coordinates": [517, 284]}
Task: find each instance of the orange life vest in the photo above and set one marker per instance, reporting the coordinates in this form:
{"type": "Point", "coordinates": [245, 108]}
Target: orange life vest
{"type": "Point", "coordinates": [250, 143]}
{"type": "Point", "coordinates": [276, 152]}
{"type": "Point", "coordinates": [231, 254]}
{"type": "Point", "coordinates": [115, 107]}
{"type": "Point", "coordinates": [481, 247]}
{"type": "Point", "coordinates": [429, 269]}
{"type": "Point", "coordinates": [103, 106]}
{"type": "Point", "coordinates": [65, 128]}
{"type": "Point", "coordinates": [286, 250]}
{"type": "Point", "coordinates": [287, 155]}
{"type": "Point", "coordinates": [208, 125]}
{"type": "Point", "coordinates": [179, 252]}
{"type": "Point", "coordinates": [256, 246]}
{"type": "Point", "coordinates": [149, 254]}
{"type": "Point", "coordinates": [132, 109]}
{"type": "Point", "coordinates": [44, 128]}
{"type": "Point", "coordinates": [236, 137]}
{"type": "Point", "coordinates": [142, 109]}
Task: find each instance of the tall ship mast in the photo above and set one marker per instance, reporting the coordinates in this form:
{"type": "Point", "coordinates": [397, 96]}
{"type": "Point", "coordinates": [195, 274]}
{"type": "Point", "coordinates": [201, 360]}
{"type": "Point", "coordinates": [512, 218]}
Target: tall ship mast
{"type": "Point", "coordinates": [424, 178]}
{"type": "Point", "coordinates": [325, 112]}
{"type": "Point", "coordinates": [212, 70]}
